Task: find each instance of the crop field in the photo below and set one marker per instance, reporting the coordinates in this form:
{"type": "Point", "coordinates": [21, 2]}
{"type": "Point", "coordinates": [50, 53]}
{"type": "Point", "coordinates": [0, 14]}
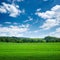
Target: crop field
{"type": "Point", "coordinates": [29, 51]}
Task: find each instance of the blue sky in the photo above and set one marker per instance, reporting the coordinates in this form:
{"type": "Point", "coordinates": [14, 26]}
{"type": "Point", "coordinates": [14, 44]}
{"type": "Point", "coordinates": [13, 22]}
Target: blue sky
{"type": "Point", "coordinates": [30, 18]}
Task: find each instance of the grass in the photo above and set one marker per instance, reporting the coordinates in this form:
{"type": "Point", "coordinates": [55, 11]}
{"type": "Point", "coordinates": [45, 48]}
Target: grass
{"type": "Point", "coordinates": [29, 51]}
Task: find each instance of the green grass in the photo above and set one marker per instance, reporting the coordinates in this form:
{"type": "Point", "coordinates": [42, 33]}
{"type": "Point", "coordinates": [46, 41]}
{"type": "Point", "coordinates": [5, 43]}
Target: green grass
{"type": "Point", "coordinates": [29, 51]}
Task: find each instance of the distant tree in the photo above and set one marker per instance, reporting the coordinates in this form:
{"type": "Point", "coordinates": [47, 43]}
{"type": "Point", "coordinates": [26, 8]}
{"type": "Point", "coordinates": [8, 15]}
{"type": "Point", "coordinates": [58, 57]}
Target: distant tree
{"type": "Point", "coordinates": [52, 39]}
{"type": "Point", "coordinates": [29, 40]}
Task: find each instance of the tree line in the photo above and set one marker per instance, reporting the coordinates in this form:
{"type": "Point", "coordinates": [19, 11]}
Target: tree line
{"type": "Point", "coordinates": [29, 40]}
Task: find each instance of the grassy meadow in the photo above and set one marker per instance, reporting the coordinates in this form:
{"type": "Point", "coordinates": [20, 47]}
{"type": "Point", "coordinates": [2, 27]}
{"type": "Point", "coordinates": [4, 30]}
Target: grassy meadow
{"type": "Point", "coordinates": [29, 51]}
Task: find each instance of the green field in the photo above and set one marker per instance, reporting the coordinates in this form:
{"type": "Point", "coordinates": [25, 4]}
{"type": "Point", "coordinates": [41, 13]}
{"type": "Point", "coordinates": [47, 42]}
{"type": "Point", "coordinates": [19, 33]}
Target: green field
{"type": "Point", "coordinates": [29, 51]}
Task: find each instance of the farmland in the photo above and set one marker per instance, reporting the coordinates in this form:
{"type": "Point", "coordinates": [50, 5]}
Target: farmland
{"type": "Point", "coordinates": [29, 51]}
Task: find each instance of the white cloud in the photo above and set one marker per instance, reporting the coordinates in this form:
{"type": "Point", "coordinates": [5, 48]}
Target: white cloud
{"type": "Point", "coordinates": [23, 11]}
{"type": "Point", "coordinates": [7, 22]}
{"type": "Point", "coordinates": [2, 9]}
{"type": "Point", "coordinates": [13, 30]}
{"type": "Point", "coordinates": [52, 17]}
{"type": "Point", "coordinates": [56, 33]}
{"type": "Point", "coordinates": [49, 24]}
{"type": "Point", "coordinates": [36, 31]}
{"type": "Point", "coordinates": [29, 19]}
{"type": "Point", "coordinates": [26, 25]}
{"type": "Point", "coordinates": [45, 15]}
{"type": "Point", "coordinates": [11, 9]}
{"type": "Point", "coordinates": [15, 23]}
{"type": "Point", "coordinates": [38, 9]}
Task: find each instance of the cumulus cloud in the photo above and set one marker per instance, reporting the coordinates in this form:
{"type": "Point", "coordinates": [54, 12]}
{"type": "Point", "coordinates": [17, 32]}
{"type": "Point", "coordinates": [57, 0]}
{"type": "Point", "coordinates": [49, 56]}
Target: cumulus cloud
{"type": "Point", "coordinates": [12, 30]}
{"type": "Point", "coordinates": [56, 33]}
{"type": "Point", "coordinates": [49, 24]}
{"type": "Point", "coordinates": [52, 17]}
{"type": "Point", "coordinates": [45, 15]}
{"type": "Point", "coordinates": [11, 9]}
{"type": "Point", "coordinates": [2, 9]}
